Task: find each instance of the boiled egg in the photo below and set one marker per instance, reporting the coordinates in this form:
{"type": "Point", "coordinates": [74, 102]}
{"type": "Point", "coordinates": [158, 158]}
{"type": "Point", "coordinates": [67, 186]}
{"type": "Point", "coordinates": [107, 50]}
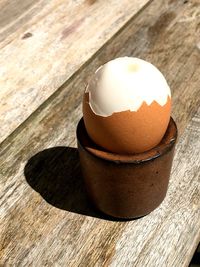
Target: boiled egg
{"type": "Point", "coordinates": [126, 106]}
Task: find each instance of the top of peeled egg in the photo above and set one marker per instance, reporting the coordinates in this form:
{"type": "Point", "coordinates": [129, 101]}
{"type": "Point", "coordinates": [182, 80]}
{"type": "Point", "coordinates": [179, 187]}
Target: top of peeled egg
{"type": "Point", "coordinates": [124, 84]}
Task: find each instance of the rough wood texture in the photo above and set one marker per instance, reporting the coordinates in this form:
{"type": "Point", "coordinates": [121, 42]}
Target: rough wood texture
{"type": "Point", "coordinates": [43, 43]}
{"type": "Point", "coordinates": [46, 219]}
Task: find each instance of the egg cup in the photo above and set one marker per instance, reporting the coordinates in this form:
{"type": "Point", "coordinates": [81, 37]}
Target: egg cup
{"type": "Point", "coordinates": [126, 186]}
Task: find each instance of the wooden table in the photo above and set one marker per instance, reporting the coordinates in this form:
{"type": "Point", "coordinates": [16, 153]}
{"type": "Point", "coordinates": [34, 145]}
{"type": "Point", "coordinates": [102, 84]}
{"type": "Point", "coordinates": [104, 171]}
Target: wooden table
{"type": "Point", "coordinates": [48, 49]}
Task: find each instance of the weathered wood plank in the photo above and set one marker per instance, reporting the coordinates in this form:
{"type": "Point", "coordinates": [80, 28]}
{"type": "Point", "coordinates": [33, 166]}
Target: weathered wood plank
{"type": "Point", "coordinates": [69, 231]}
{"type": "Point", "coordinates": [43, 43]}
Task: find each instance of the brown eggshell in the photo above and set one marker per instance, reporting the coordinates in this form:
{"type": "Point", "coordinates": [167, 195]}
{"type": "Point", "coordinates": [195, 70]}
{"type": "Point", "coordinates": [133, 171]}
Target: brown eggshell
{"type": "Point", "coordinates": [128, 132]}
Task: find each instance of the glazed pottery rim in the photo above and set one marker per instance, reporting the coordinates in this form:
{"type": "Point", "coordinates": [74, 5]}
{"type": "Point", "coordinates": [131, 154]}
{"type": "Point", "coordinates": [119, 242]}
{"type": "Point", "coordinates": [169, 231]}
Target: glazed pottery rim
{"type": "Point", "coordinates": [166, 144]}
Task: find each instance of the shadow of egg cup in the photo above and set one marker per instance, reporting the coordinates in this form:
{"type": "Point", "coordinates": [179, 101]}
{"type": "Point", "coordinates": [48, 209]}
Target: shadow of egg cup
{"type": "Point", "coordinates": [55, 174]}
{"type": "Point", "coordinates": [126, 186]}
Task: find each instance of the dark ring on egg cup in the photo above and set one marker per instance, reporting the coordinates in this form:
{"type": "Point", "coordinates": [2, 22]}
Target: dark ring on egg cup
{"type": "Point", "coordinates": [126, 186]}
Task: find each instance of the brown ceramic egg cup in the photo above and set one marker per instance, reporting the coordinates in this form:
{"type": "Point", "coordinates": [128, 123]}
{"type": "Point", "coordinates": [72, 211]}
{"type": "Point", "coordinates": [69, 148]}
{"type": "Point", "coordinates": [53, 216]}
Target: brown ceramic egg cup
{"type": "Point", "coordinates": [126, 186]}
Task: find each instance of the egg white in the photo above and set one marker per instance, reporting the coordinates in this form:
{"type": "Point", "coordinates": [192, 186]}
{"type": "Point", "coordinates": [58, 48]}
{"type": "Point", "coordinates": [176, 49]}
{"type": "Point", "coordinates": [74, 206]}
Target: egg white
{"type": "Point", "coordinates": [124, 84]}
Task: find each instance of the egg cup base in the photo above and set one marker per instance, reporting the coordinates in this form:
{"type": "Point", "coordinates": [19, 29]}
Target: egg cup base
{"type": "Point", "coordinates": [126, 186]}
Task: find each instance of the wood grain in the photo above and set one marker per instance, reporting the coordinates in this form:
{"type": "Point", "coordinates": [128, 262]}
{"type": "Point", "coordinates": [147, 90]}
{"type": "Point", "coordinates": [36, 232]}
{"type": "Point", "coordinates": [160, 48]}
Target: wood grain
{"type": "Point", "coordinates": [46, 218]}
{"type": "Point", "coordinates": [63, 35]}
